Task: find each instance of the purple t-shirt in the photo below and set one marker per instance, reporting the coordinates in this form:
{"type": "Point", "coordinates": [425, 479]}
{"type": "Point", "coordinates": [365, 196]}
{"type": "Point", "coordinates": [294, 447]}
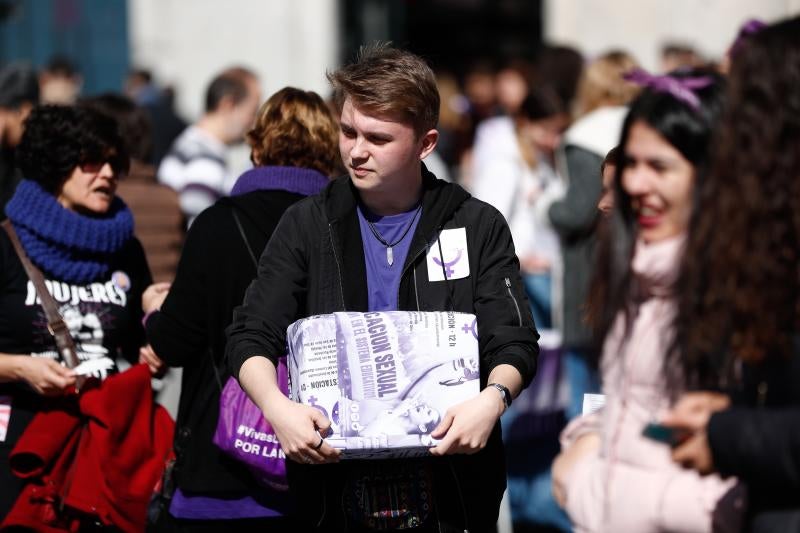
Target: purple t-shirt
{"type": "Point", "coordinates": [383, 280]}
{"type": "Point", "coordinates": [199, 507]}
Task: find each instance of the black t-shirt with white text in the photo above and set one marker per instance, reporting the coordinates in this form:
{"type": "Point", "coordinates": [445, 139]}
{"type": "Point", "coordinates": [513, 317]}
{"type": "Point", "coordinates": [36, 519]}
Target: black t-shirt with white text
{"type": "Point", "coordinates": [103, 317]}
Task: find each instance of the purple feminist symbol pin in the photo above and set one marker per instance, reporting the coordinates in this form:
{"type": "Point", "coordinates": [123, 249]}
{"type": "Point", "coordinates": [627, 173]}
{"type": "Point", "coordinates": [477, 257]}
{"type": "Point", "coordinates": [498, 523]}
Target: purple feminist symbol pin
{"type": "Point", "coordinates": [448, 265]}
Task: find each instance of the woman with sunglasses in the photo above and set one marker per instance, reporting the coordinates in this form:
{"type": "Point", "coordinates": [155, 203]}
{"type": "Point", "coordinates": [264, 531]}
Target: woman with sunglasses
{"type": "Point", "coordinates": [80, 235]}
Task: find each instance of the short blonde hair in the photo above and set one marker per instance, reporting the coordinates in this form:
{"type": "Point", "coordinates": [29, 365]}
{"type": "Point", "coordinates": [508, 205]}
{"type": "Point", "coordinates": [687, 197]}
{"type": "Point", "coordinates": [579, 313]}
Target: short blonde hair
{"type": "Point", "coordinates": [602, 84]}
{"type": "Point", "coordinates": [295, 128]}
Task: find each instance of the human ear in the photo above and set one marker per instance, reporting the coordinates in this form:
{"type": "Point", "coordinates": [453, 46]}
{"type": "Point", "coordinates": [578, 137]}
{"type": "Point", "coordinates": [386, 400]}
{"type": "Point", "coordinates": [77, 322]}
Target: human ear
{"type": "Point", "coordinates": [428, 143]}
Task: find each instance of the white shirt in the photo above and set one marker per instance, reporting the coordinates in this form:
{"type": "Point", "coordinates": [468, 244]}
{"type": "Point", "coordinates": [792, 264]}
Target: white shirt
{"type": "Point", "coordinates": [505, 180]}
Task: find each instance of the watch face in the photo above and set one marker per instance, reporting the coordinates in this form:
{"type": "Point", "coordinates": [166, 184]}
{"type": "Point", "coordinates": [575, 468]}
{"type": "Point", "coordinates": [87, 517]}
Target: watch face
{"type": "Point", "coordinates": [503, 393]}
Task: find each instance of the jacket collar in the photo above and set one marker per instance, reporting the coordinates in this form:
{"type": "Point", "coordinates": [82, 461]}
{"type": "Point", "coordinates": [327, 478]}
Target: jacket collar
{"type": "Point", "coordinates": [439, 201]}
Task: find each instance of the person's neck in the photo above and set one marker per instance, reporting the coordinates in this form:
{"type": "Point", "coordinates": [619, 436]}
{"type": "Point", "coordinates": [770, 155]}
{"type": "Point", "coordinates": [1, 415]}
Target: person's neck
{"type": "Point", "coordinates": [395, 202]}
{"type": "Point", "coordinates": [213, 124]}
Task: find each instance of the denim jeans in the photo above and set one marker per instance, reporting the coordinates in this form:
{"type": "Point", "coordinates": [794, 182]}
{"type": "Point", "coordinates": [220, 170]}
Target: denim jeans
{"type": "Point", "coordinates": [539, 290]}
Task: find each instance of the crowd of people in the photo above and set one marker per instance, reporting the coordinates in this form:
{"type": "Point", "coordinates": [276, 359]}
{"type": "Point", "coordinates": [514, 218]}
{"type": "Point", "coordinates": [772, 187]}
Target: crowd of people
{"type": "Point", "coordinates": [646, 222]}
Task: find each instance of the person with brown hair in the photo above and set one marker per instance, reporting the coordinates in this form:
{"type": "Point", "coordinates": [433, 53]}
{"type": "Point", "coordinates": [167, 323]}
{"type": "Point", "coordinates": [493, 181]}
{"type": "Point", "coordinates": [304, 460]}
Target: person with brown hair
{"type": "Point", "coordinates": [293, 146]}
{"type": "Point", "coordinates": [513, 169]}
{"type": "Point", "coordinates": [738, 322]}
{"type": "Point", "coordinates": [608, 169]}
{"type": "Point", "coordinates": [196, 165]}
{"type": "Point", "coordinates": [291, 131]}
{"type": "Point", "coordinates": [364, 244]}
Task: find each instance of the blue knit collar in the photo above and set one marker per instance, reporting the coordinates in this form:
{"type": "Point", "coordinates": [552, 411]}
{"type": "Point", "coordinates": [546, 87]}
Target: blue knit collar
{"type": "Point", "coordinates": [298, 180]}
{"type": "Point", "coordinates": [70, 246]}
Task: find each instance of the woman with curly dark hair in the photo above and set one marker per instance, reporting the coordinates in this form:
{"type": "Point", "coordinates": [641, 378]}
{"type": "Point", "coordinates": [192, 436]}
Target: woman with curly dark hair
{"type": "Point", "coordinates": [80, 235]}
{"type": "Point", "coordinates": [294, 144]}
{"type": "Point", "coordinates": [611, 476]}
{"type": "Point", "coordinates": [740, 291]}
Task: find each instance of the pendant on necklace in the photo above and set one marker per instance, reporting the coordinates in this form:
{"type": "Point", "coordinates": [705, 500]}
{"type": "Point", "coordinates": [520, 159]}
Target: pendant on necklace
{"type": "Point", "coordinates": [389, 256]}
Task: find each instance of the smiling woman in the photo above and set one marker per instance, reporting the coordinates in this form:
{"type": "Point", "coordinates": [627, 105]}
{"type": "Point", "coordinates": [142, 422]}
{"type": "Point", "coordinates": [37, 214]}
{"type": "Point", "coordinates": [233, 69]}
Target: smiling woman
{"type": "Point", "coordinates": [659, 180]}
{"type": "Point", "coordinates": [607, 459]}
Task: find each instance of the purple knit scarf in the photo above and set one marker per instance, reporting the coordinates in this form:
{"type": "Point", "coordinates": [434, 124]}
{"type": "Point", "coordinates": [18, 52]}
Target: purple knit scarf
{"type": "Point", "coordinates": [303, 181]}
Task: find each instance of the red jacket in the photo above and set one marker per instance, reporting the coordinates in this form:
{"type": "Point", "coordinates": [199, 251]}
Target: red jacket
{"type": "Point", "coordinates": [101, 456]}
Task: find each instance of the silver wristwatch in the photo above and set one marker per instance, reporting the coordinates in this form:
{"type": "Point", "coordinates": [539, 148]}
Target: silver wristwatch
{"type": "Point", "coordinates": [504, 392]}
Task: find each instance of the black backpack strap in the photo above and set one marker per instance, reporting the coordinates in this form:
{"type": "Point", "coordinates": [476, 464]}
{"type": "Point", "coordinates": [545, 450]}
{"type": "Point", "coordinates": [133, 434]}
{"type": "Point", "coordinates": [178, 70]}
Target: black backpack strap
{"type": "Point", "coordinates": [217, 373]}
{"type": "Point", "coordinates": [244, 237]}
{"type": "Point", "coordinates": [55, 323]}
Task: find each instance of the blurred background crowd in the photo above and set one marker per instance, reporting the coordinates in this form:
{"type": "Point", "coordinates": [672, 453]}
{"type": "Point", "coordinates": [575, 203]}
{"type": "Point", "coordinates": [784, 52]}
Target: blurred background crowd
{"type": "Point", "coordinates": [488, 56]}
{"type": "Point", "coordinates": [532, 100]}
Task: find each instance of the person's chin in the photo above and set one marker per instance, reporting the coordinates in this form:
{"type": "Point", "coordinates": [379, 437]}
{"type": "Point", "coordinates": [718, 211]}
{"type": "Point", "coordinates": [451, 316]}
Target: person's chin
{"type": "Point", "coordinates": [95, 209]}
{"type": "Point", "coordinates": [363, 183]}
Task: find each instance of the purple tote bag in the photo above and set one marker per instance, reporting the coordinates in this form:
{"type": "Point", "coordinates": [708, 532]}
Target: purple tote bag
{"type": "Point", "coordinates": [244, 434]}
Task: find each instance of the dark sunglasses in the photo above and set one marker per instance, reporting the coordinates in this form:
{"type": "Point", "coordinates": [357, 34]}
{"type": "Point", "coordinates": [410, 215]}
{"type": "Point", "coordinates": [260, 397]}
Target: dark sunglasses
{"type": "Point", "coordinates": [120, 168]}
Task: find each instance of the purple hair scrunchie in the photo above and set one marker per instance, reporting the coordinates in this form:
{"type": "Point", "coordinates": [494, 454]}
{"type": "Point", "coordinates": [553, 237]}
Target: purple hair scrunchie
{"type": "Point", "coordinates": [748, 29]}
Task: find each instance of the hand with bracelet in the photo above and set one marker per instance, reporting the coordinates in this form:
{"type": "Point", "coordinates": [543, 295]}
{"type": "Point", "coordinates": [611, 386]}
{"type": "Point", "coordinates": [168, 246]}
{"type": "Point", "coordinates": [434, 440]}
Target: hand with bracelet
{"type": "Point", "coordinates": [466, 427]}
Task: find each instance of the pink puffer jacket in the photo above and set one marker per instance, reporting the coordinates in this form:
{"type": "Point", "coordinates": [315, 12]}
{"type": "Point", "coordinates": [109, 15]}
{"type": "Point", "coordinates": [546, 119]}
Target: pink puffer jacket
{"type": "Point", "coordinates": [631, 484]}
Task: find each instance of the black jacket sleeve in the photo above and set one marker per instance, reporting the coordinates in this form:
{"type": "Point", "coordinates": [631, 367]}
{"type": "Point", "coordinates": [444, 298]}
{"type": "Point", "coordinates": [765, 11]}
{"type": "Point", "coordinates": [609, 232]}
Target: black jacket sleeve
{"type": "Point", "coordinates": [180, 330]}
{"type": "Point", "coordinates": [505, 325]}
{"type": "Point", "coordinates": [760, 446]}
{"type": "Point", "coordinates": [273, 300]}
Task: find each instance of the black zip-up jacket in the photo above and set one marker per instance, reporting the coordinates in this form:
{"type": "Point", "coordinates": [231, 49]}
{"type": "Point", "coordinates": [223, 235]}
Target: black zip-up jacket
{"type": "Point", "coordinates": [314, 264]}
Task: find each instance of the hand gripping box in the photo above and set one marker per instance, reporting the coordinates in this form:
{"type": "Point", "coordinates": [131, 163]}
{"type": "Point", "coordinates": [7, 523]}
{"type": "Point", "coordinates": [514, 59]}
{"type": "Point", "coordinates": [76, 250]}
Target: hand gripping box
{"type": "Point", "coordinates": [383, 379]}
